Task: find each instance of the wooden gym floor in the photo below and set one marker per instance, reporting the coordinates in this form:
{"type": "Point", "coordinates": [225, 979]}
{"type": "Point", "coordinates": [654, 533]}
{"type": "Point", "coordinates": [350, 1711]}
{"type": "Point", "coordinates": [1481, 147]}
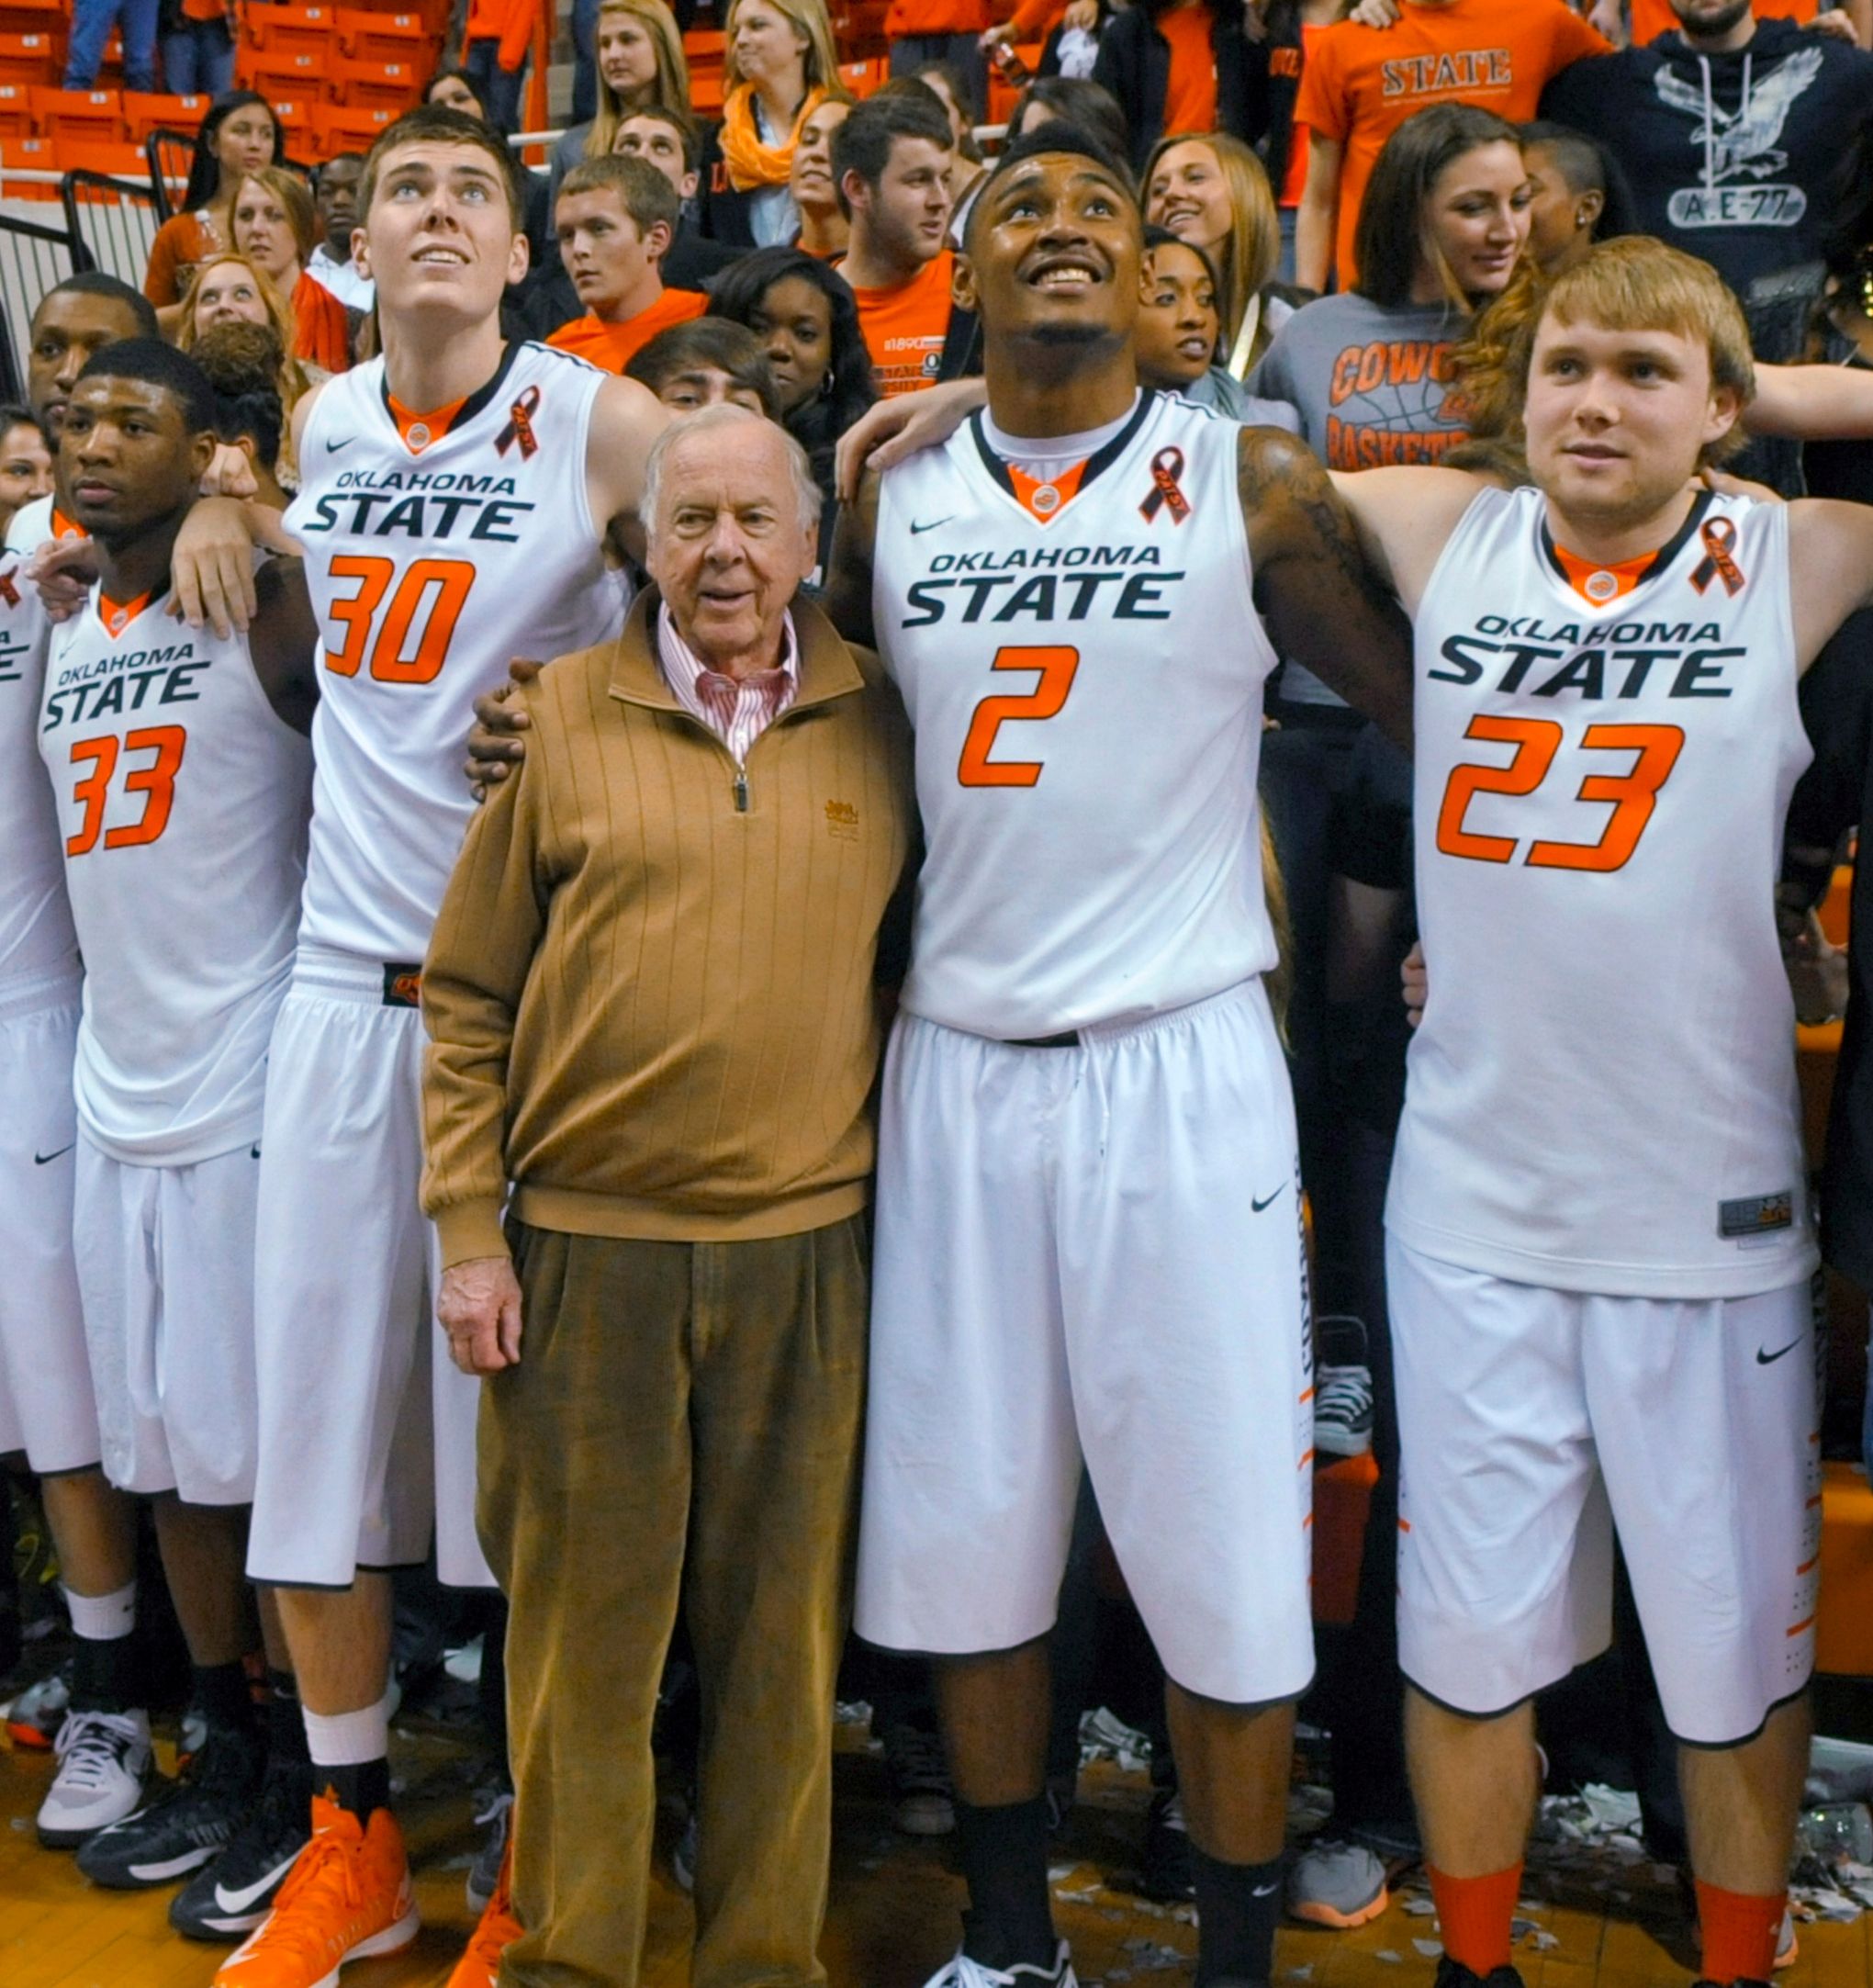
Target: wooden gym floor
{"type": "Point", "coordinates": [894, 1904]}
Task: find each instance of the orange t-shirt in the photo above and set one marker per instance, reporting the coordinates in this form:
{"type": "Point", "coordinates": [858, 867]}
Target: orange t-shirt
{"type": "Point", "coordinates": [1295, 182]}
{"type": "Point", "coordinates": [904, 327]}
{"type": "Point", "coordinates": [1190, 96]}
{"type": "Point", "coordinates": [1652, 18]}
{"type": "Point", "coordinates": [321, 328]}
{"type": "Point", "coordinates": [614, 346]}
{"type": "Point", "coordinates": [1361, 83]}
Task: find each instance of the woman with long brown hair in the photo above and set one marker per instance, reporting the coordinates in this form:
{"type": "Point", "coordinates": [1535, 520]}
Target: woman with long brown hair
{"type": "Point", "coordinates": [781, 61]}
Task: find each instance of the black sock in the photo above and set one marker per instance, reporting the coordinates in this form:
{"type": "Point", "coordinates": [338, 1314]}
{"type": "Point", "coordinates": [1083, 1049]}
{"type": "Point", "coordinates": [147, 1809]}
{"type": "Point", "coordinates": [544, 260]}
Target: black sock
{"type": "Point", "coordinates": [1238, 1909]}
{"type": "Point", "coordinates": [221, 1694]}
{"type": "Point", "coordinates": [1010, 1920]}
{"type": "Point", "coordinates": [103, 1674]}
{"type": "Point", "coordinates": [285, 1723]}
{"type": "Point", "coordinates": [362, 1789]}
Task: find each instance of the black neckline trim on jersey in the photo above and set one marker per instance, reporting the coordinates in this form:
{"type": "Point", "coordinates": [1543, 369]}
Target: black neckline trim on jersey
{"type": "Point", "coordinates": [1662, 558]}
{"type": "Point", "coordinates": [1099, 460]}
{"type": "Point", "coordinates": [475, 401]}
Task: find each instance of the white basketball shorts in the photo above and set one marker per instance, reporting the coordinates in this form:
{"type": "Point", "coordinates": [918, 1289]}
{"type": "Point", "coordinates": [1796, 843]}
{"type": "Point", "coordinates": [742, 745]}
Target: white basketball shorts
{"type": "Point", "coordinates": [1533, 1422]}
{"type": "Point", "coordinates": [46, 1403]}
{"type": "Point", "coordinates": [367, 1427]}
{"type": "Point", "coordinates": [165, 1266]}
{"type": "Point", "coordinates": [1093, 1252]}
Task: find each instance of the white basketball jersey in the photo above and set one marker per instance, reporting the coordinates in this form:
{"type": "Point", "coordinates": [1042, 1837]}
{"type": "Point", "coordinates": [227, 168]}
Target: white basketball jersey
{"type": "Point", "coordinates": [36, 935]}
{"type": "Point", "coordinates": [433, 559]}
{"type": "Point", "coordinates": [183, 802]}
{"type": "Point", "coordinates": [1086, 690]}
{"type": "Point", "coordinates": [1602, 1096]}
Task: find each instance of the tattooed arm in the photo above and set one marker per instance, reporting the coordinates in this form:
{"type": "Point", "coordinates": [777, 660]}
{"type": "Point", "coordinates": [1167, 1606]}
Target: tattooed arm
{"type": "Point", "coordinates": [1320, 599]}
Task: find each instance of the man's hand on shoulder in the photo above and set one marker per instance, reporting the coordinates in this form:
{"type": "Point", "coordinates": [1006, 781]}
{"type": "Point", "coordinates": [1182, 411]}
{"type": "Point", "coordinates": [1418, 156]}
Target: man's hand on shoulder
{"type": "Point", "coordinates": [479, 1308]}
{"type": "Point", "coordinates": [62, 570]}
{"type": "Point", "coordinates": [494, 745]}
{"type": "Point", "coordinates": [889, 432]}
{"type": "Point", "coordinates": [212, 565]}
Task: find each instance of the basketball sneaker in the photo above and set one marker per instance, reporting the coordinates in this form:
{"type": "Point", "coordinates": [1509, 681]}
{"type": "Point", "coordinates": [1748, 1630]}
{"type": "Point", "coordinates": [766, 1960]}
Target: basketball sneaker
{"type": "Point", "coordinates": [33, 1719]}
{"type": "Point", "coordinates": [228, 1898]}
{"type": "Point", "coordinates": [1343, 1400]}
{"type": "Point", "coordinates": [963, 1973]}
{"type": "Point", "coordinates": [188, 1824]}
{"type": "Point", "coordinates": [1454, 1975]}
{"type": "Point", "coordinates": [1336, 1883]}
{"type": "Point", "coordinates": [496, 1932]}
{"type": "Point", "coordinates": [347, 1898]}
{"type": "Point", "coordinates": [490, 1858]}
{"type": "Point", "coordinates": [103, 1759]}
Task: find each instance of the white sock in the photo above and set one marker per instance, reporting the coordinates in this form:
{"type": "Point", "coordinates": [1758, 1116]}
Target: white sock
{"type": "Point", "coordinates": [103, 1618]}
{"type": "Point", "coordinates": [349, 1738]}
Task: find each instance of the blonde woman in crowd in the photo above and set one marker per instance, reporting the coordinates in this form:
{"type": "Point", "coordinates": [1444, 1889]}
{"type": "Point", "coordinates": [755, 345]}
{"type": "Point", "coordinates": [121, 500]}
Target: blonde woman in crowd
{"type": "Point", "coordinates": [274, 225]}
{"type": "Point", "coordinates": [641, 66]}
{"type": "Point", "coordinates": [1213, 193]}
{"type": "Point", "coordinates": [781, 61]}
{"type": "Point", "coordinates": [232, 286]}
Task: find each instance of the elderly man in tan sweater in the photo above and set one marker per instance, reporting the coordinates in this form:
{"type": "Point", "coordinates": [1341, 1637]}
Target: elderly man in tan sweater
{"type": "Point", "coordinates": [650, 999]}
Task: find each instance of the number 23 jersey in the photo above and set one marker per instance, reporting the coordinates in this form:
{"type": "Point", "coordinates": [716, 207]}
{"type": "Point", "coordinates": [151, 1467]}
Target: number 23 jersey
{"type": "Point", "coordinates": [1084, 687]}
{"type": "Point", "coordinates": [436, 551]}
{"type": "Point", "coordinates": [1602, 1096]}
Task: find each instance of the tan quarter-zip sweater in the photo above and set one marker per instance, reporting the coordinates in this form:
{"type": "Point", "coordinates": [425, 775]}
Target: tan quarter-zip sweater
{"type": "Point", "coordinates": [649, 995]}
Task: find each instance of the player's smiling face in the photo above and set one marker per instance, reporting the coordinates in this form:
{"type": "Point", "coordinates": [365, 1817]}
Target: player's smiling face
{"type": "Point", "coordinates": [440, 233]}
{"type": "Point", "coordinates": [127, 458]}
{"type": "Point", "coordinates": [1054, 252]}
{"type": "Point", "coordinates": [1617, 420]}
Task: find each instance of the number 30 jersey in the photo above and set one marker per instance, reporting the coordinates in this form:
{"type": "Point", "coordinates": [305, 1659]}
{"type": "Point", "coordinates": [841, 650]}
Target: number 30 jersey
{"type": "Point", "coordinates": [437, 550]}
{"type": "Point", "coordinates": [182, 802]}
{"type": "Point", "coordinates": [1082, 665]}
{"type": "Point", "coordinates": [1602, 1096]}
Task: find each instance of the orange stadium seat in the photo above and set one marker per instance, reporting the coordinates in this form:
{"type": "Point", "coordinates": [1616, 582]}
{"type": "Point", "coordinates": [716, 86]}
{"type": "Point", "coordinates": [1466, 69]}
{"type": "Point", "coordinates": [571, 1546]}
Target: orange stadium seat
{"type": "Point", "coordinates": [29, 59]}
{"type": "Point", "coordinates": [382, 37]}
{"type": "Point", "coordinates": [145, 112]}
{"type": "Point", "coordinates": [115, 157]}
{"type": "Point", "coordinates": [706, 93]}
{"type": "Point", "coordinates": [294, 28]}
{"type": "Point", "coordinates": [28, 155]}
{"type": "Point", "coordinates": [374, 84]}
{"type": "Point", "coordinates": [340, 128]}
{"type": "Point", "coordinates": [93, 115]}
{"type": "Point", "coordinates": [16, 112]}
{"type": "Point", "coordinates": [863, 78]}
{"type": "Point", "coordinates": [34, 16]}
{"type": "Point", "coordinates": [290, 73]}
{"type": "Point", "coordinates": [295, 115]}
{"type": "Point", "coordinates": [705, 45]}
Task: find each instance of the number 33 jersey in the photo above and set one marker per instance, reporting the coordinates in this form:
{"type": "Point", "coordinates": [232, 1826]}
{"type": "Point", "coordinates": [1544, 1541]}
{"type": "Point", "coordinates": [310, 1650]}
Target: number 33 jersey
{"type": "Point", "coordinates": [182, 805]}
{"type": "Point", "coordinates": [1602, 1096]}
{"type": "Point", "coordinates": [438, 548]}
{"type": "Point", "coordinates": [1082, 665]}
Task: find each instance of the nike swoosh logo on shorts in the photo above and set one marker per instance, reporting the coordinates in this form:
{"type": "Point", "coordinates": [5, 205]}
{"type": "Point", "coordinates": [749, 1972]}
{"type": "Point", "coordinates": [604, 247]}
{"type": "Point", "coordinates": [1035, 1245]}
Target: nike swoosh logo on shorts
{"type": "Point", "coordinates": [1769, 1359]}
{"type": "Point", "coordinates": [46, 1159]}
{"type": "Point", "coordinates": [931, 526]}
{"type": "Point", "coordinates": [226, 1901]}
{"type": "Point", "coordinates": [1255, 1207]}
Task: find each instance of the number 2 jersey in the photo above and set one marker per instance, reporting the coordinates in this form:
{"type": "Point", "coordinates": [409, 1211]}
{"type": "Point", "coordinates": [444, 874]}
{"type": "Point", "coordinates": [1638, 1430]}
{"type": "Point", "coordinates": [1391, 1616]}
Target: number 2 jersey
{"type": "Point", "coordinates": [1082, 666]}
{"type": "Point", "coordinates": [182, 801]}
{"type": "Point", "coordinates": [1602, 1096]}
{"type": "Point", "coordinates": [436, 551]}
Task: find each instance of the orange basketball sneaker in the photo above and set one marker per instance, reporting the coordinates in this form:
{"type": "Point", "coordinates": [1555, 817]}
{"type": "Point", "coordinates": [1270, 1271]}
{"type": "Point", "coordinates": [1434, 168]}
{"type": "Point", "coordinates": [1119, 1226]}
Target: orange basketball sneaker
{"type": "Point", "coordinates": [347, 1898]}
{"type": "Point", "coordinates": [496, 1931]}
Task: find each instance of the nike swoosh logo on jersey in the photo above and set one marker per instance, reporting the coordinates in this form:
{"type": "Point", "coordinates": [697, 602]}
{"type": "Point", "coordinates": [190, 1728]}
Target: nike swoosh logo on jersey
{"type": "Point", "coordinates": [931, 526]}
{"type": "Point", "coordinates": [251, 1895]}
{"type": "Point", "coordinates": [1769, 1359]}
{"type": "Point", "coordinates": [1255, 1207]}
{"type": "Point", "coordinates": [46, 1159]}
{"type": "Point", "coordinates": [331, 448]}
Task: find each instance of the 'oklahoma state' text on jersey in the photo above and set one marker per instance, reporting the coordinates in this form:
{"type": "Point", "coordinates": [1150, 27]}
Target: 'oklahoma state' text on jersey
{"type": "Point", "coordinates": [436, 553]}
{"type": "Point", "coordinates": [1602, 1096]}
{"type": "Point", "coordinates": [182, 801]}
{"type": "Point", "coordinates": [1085, 688]}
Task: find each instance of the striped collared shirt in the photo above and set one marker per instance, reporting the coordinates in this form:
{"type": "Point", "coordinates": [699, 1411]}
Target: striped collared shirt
{"type": "Point", "coordinates": [736, 710]}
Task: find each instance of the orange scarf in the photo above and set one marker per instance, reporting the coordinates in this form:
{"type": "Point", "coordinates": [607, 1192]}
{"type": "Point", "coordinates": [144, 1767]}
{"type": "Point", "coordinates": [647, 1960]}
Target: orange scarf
{"type": "Point", "coordinates": [751, 162]}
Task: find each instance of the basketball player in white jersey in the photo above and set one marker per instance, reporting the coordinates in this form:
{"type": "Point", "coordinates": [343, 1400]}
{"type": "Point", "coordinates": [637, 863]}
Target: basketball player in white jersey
{"type": "Point", "coordinates": [183, 781]}
{"type": "Point", "coordinates": [456, 499]}
{"type": "Point", "coordinates": [1599, 1245]}
{"type": "Point", "coordinates": [1088, 1239]}
{"type": "Point", "coordinates": [45, 1376]}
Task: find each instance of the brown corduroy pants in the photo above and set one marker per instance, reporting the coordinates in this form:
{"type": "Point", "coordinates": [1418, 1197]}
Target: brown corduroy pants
{"type": "Point", "coordinates": [683, 1430]}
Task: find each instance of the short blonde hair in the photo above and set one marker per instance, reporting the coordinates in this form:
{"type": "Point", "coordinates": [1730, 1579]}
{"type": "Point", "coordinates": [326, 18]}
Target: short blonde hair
{"type": "Point", "coordinates": [821, 57]}
{"type": "Point", "coordinates": [1634, 282]}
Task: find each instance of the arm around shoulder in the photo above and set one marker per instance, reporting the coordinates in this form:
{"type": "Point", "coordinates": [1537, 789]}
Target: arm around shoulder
{"type": "Point", "coordinates": [1830, 569]}
{"type": "Point", "coordinates": [626, 418]}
